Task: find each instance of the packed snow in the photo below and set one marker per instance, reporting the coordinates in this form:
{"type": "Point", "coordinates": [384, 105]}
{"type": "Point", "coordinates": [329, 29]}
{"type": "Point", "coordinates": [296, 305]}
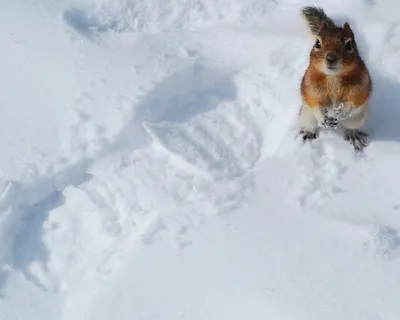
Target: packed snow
{"type": "Point", "coordinates": [151, 166]}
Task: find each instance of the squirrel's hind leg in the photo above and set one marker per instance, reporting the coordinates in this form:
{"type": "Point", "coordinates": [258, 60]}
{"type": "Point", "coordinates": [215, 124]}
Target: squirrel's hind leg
{"type": "Point", "coordinates": [310, 120]}
{"type": "Point", "coordinates": [359, 139]}
{"type": "Point", "coordinates": [352, 128]}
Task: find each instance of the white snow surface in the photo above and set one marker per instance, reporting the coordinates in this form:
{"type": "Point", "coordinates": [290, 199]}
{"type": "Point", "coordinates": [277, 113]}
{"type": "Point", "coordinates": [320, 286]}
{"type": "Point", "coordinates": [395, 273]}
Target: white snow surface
{"type": "Point", "coordinates": [151, 168]}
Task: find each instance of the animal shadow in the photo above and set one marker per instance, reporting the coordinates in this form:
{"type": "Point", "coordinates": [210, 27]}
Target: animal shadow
{"type": "Point", "coordinates": [384, 108]}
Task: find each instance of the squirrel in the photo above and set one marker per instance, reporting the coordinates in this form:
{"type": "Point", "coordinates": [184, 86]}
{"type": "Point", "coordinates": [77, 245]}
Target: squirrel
{"type": "Point", "coordinates": [337, 85]}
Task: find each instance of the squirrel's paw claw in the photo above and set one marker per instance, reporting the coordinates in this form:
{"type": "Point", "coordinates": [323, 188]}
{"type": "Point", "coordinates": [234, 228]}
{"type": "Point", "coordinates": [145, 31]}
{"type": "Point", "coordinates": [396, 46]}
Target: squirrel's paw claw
{"type": "Point", "coordinates": [308, 135]}
{"type": "Point", "coordinates": [359, 139]}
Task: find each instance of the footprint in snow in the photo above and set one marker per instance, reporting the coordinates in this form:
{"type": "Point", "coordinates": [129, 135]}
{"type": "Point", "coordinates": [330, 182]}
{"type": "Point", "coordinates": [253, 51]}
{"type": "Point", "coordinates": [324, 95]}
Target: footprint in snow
{"type": "Point", "coordinates": [385, 242]}
{"type": "Point", "coordinates": [87, 23]}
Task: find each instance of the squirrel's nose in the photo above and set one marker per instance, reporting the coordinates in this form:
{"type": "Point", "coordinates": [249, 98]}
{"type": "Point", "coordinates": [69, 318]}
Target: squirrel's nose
{"type": "Point", "coordinates": [331, 57]}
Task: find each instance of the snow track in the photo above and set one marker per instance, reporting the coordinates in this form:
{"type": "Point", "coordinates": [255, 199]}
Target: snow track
{"type": "Point", "coordinates": [325, 172]}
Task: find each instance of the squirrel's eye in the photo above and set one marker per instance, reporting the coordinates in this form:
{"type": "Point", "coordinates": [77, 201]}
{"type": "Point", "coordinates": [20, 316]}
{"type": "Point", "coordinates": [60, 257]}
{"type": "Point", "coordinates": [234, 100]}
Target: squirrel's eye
{"type": "Point", "coordinates": [317, 44]}
{"type": "Point", "coordinates": [348, 45]}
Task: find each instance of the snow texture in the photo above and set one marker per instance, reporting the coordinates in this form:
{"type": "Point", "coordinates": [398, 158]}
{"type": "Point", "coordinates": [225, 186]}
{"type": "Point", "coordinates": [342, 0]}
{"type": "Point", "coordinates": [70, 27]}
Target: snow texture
{"type": "Point", "coordinates": [151, 166]}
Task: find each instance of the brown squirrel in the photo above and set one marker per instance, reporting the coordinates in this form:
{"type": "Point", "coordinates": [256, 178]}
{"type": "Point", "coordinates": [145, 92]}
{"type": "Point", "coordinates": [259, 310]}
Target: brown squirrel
{"type": "Point", "coordinates": [336, 86]}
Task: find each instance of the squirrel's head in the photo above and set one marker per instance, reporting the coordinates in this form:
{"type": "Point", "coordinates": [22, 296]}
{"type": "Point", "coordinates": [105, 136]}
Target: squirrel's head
{"type": "Point", "coordinates": [335, 50]}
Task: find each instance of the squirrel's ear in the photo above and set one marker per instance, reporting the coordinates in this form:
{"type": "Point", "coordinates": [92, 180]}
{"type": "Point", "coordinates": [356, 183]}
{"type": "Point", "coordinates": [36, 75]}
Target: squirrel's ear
{"type": "Point", "coordinates": [346, 27]}
{"type": "Point", "coordinates": [323, 26]}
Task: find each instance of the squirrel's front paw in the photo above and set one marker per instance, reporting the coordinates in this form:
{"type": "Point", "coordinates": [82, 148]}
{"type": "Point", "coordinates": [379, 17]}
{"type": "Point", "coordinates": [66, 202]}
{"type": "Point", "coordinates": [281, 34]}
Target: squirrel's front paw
{"type": "Point", "coordinates": [330, 123]}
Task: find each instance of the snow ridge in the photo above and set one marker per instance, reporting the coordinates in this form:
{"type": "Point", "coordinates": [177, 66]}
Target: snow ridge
{"type": "Point", "coordinates": [155, 16]}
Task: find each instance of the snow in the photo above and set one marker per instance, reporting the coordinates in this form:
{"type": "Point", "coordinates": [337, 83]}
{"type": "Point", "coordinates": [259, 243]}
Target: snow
{"type": "Point", "coordinates": [150, 167]}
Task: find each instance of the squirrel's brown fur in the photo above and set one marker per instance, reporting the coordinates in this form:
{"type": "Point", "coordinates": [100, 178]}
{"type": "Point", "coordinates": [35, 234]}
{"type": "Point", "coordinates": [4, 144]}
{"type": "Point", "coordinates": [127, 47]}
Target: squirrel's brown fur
{"type": "Point", "coordinates": [336, 72]}
{"type": "Point", "coordinates": [351, 83]}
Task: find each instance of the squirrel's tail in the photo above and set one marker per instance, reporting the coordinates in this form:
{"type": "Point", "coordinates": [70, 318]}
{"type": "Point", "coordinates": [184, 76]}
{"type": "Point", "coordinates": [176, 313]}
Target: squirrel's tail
{"type": "Point", "coordinates": [314, 17]}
